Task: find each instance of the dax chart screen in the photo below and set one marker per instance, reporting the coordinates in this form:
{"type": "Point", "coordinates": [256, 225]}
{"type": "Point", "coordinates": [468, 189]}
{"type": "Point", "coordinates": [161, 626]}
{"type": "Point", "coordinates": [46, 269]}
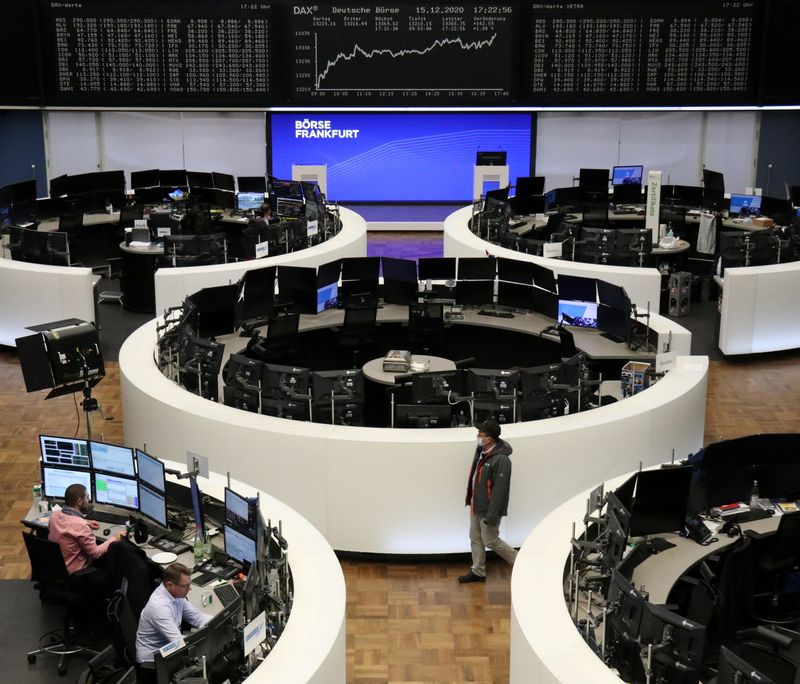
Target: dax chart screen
{"type": "Point", "coordinates": [344, 53]}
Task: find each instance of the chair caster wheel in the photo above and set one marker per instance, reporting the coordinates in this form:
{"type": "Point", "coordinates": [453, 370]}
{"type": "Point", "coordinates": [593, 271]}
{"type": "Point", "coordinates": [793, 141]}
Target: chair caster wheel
{"type": "Point", "coordinates": [31, 658]}
{"type": "Point", "coordinates": [62, 670]}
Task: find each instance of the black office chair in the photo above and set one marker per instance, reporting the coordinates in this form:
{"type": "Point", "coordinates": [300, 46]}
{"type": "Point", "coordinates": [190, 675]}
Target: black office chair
{"type": "Point", "coordinates": [282, 336]}
{"type": "Point", "coordinates": [358, 331]}
{"type": "Point", "coordinates": [425, 327]}
{"type": "Point", "coordinates": [130, 213]}
{"type": "Point", "coordinates": [595, 215]}
{"type": "Point", "coordinates": [49, 573]}
{"type": "Point", "coordinates": [779, 554]}
{"type": "Point", "coordinates": [70, 223]}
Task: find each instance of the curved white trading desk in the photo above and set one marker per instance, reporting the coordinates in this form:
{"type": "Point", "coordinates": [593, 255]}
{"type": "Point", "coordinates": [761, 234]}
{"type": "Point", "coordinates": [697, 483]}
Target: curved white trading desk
{"type": "Point", "coordinates": [383, 490]}
{"type": "Point", "coordinates": [760, 309]}
{"type": "Point", "coordinates": [643, 285]}
{"type": "Point", "coordinates": [174, 284]}
{"type": "Point", "coordinates": [312, 646]}
{"type": "Point", "coordinates": [36, 293]}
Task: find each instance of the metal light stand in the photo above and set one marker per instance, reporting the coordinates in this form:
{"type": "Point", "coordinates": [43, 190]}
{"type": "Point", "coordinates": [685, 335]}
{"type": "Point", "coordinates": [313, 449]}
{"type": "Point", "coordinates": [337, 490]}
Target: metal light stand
{"type": "Point", "coordinates": [636, 315]}
{"type": "Point", "coordinates": [89, 403]}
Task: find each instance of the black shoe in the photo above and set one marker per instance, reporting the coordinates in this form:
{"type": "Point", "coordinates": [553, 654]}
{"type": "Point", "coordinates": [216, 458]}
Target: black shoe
{"type": "Point", "coordinates": [470, 577]}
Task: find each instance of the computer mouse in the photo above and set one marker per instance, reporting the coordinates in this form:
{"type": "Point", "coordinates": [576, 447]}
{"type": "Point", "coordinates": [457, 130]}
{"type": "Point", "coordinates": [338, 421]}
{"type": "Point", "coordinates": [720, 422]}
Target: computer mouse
{"type": "Point", "coordinates": [106, 532]}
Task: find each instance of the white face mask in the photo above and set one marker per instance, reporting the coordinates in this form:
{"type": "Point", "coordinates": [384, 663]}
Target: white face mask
{"type": "Point", "coordinates": [480, 441]}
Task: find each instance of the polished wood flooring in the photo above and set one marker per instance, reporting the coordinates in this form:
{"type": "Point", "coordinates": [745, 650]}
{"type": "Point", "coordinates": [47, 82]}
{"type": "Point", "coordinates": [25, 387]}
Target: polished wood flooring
{"type": "Point", "coordinates": [406, 622]}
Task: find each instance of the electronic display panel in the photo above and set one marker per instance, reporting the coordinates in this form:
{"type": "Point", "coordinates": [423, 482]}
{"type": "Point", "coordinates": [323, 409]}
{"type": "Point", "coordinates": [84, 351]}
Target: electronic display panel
{"type": "Point", "coordinates": [379, 156]}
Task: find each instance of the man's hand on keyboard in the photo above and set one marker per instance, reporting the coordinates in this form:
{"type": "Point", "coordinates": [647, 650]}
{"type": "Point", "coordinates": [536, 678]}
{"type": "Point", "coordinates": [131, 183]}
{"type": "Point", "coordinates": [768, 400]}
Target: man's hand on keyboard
{"type": "Point", "coordinates": [93, 524]}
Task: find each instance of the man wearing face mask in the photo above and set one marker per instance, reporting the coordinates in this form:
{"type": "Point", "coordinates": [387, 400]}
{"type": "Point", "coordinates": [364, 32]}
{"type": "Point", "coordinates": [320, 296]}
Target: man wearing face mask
{"type": "Point", "coordinates": [487, 496]}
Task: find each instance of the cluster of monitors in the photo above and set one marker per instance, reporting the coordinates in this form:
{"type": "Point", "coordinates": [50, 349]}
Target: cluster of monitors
{"type": "Point", "coordinates": [505, 395]}
{"type": "Point", "coordinates": [38, 247]}
{"type": "Point", "coordinates": [285, 391]}
{"type": "Point", "coordinates": [115, 475]}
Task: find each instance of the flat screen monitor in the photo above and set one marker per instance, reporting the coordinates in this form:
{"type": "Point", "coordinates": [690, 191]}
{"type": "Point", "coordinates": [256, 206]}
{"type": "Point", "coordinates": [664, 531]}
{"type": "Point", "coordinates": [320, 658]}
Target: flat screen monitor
{"type": "Point", "coordinates": [172, 178]}
{"type": "Point", "coordinates": [252, 184]}
{"type": "Point", "coordinates": [615, 323]}
{"type": "Point", "coordinates": [56, 480]}
{"type": "Point", "coordinates": [249, 201]}
{"type": "Point", "coordinates": [112, 458]}
{"type": "Point", "coordinates": [477, 268]}
{"type": "Point", "coordinates": [297, 285]}
{"type": "Point", "coordinates": [627, 175]}
{"type": "Point", "coordinates": [627, 194]}
{"type": "Point", "coordinates": [223, 181]}
{"type": "Point", "coordinates": [215, 309]}
{"type": "Point", "coordinates": [492, 381]}
{"type": "Point", "coordinates": [613, 296]}
{"type": "Point", "coordinates": [515, 271]}
{"type": "Point", "coordinates": [733, 669]}
{"type": "Point", "coordinates": [475, 292]}
{"type": "Point", "coordinates": [713, 180]}
{"type": "Point", "coordinates": [684, 195]}
{"type": "Point", "coordinates": [284, 381]}
{"type": "Point", "coordinates": [529, 185]}
{"type": "Point", "coordinates": [360, 268]}
{"type": "Point", "coordinates": [794, 195]}
{"type": "Point", "coordinates": [285, 188]}
{"type": "Point", "coordinates": [578, 313]}
{"type": "Point", "coordinates": [255, 296]}
{"type": "Point", "coordinates": [144, 179]}
{"type": "Point", "coordinates": [58, 186]}
{"type": "Point", "coordinates": [289, 208]}
{"type": "Point", "coordinates": [625, 603]}
{"type": "Point", "coordinates": [491, 158]}
{"type": "Point", "coordinates": [116, 490]}
{"type": "Point", "coordinates": [150, 471]}
{"type": "Point", "coordinates": [515, 295]}
{"type": "Point", "coordinates": [80, 183]}
{"type": "Point", "coordinates": [745, 204]}
{"type": "Point", "coordinates": [329, 272]}
{"type": "Point", "coordinates": [288, 409]}
{"type": "Point", "coordinates": [200, 179]}
{"type": "Point", "coordinates": [239, 546]}
{"type": "Point", "coordinates": [780, 210]}
{"type": "Point", "coordinates": [341, 384]}
{"type": "Point", "coordinates": [660, 500]}
{"type": "Point", "coordinates": [577, 288]}
{"type": "Point", "coordinates": [437, 386]}
{"type": "Point", "coordinates": [437, 268]}
{"type": "Point", "coordinates": [423, 416]}
{"type": "Point", "coordinates": [401, 270]}
{"type": "Point", "coordinates": [241, 513]}
{"type": "Point", "coordinates": [327, 297]}
{"type": "Point", "coordinates": [593, 180]}
{"type": "Point", "coordinates": [64, 451]}
{"type": "Point", "coordinates": [153, 505]}
{"type": "Point", "coordinates": [282, 329]}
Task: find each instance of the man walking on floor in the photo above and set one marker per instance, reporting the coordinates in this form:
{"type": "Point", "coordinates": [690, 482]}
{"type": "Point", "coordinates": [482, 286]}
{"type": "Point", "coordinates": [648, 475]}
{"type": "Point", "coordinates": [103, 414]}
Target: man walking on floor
{"type": "Point", "coordinates": [487, 496]}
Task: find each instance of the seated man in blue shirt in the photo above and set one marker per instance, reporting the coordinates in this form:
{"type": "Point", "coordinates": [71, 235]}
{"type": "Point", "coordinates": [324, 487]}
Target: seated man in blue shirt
{"type": "Point", "coordinates": [160, 621]}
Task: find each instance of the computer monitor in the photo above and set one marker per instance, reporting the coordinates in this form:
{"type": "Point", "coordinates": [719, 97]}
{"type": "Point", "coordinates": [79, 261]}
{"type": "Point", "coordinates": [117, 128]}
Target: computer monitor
{"type": "Point", "coordinates": [249, 201]}
{"type": "Point", "coordinates": [475, 292]}
{"type": "Point", "coordinates": [327, 297]}
{"type": "Point", "coordinates": [153, 505]}
{"type": "Point", "coordinates": [515, 296]}
{"type": "Point", "coordinates": [577, 288]}
{"type": "Point", "coordinates": [492, 382]}
{"type": "Point", "coordinates": [617, 524]}
{"type": "Point", "coordinates": [477, 268]}
{"type": "Point", "coordinates": [544, 278]}
{"type": "Point", "coordinates": [437, 268]}
{"type": "Point", "coordinates": [515, 271]}
{"type": "Point", "coordinates": [69, 349]}
{"type": "Point", "coordinates": [150, 471]}
{"type": "Point", "coordinates": [593, 180]}
{"type": "Point", "coordinates": [616, 323]}
{"type": "Point", "coordinates": [252, 184]}
{"type": "Point", "coordinates": [360, 268]}
{"type": "Point", "coordinates": [399, 280]}
{"type": "Point", "coordinates": [529, 185]}
{"type": "Point", "coordinates": [682, 195]}
{"type": "Point", "coordinates": [501, 410]}
{"type": "Point", "coordinates": [285, 188]}
{"type": "Point", "coordinates": [289, 208]}
{"type": "Point", "coordinates": [56, 480]}
{"type": "Point", "coordinates": [116, 490]}
{"type": "Point", "coordinates": [713, 180]}
{"type": "Point", "coordinates": [437, 386]}
{"type": "Point", "coordinates": [223, 181]}
{"type": "Point", "coordinates": [578, 313]}
{"type": "Point", "coordinates": [612, 295]}
{"type": "Point", "coordinates": [627, 194]}
{"type": "Point", "coordinates": [289, 409]}
{"type": "Point", "coordinates": [241, 513]}
{"type": "Point", "coordinates": [284, 381]}
{"type": "Point", "coordinates": [297, 285]}
{"type": "Point", "coordinates": [340, 384]}
{"type": "Point", "coordinates": [111, 458]}
{"type": "Point", "coordinates": [329, 272]}
{"type": "Point", "coordinates": [660, 500]}
{"type": "Point", "coordinates": [745, 204]}
{"type": "Point", "coordinates": [255, 298]}
{"type": "Point", "coordinates": [172, 178]}
{"type": "Point", "coordinates": [197, 506]}
{"type": "Point", "coordinates": [242, 371]}
{"type": "Point", "coordinates": [681, 643]}
{"type": "Point", "coordinates": [779, 210]}
{"type": "Point", "coordinates": [241, 398]}
{"type": "Point", "coordinates": [199, 179]}
{"type": "Point", "coordinates": [527, 205]}
{"type": "Point", "coordinates": [65, 451]}
{"type": "Point", "coordinates": [627, 175]}
{"type": "Point", "coordinates": [733, 669]}
{"type": "Point", "coordinates": [536, 379]}
{"type": "Point", "coordinates": [423, 415]}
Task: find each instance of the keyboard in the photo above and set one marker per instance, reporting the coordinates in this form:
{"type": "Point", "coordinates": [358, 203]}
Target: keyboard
{"type": "Point", "coordinates": [227, 593]}
{"type": "Point", "coordinates": [748, 516]}
{"type": "Point", "coordinates": [164, 544]}
{"type": "Point", "coordinates": [496, 314]}
{"type": "Point", "coordinates": [111, 518]}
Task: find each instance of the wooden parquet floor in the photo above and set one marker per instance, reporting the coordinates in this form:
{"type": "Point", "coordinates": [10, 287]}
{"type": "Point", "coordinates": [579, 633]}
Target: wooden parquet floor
{"type": "Point", "coordinates": [406, 622]}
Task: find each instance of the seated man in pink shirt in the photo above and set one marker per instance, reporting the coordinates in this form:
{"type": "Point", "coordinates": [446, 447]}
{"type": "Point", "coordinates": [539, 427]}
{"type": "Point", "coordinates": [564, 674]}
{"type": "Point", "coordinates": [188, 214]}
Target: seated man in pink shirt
{"type": "Point", "coordinates": [70, 529]}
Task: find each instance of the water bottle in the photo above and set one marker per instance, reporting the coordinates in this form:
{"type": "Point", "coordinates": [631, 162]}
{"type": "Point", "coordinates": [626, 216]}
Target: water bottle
{"type": "Point", "coordinates": [198, 547]}
{"type": "Point", "coordinates": [37, 493]}
{"type": "Point", "coordinates": [206, 546]}
{"type": "Point", "coordinates": [754, 495]}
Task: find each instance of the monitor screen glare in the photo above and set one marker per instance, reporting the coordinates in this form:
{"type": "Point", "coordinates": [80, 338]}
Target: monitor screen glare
{"type": "Point", "coordinates": [624, 175]}
{"type": "Point", "coordinates": [112, 458]}
{"type": "Point", "coordinates": [745, 204]}
{"type": "Point", "coordinates": [577, 313]}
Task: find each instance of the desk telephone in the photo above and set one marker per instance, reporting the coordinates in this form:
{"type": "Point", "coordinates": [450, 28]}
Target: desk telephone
{"type": "Point", "coordinates": [696, 529]}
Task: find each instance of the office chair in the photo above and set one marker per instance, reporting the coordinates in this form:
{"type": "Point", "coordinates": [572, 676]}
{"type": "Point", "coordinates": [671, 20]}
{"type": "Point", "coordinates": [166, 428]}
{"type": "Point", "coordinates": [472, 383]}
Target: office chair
{"type": "Point", "coordinates": [130, 213]}
{"type": "Point", "coordinates": [779, 554]}
{"type": "Point", "coordinates": [70, 223]}
{"type": "Point", "coordinates": [775, 652]}
{"type": "Point", "coordinates": [282, 335]}
{"type": "Point", "coordinates": [595, 215]}
{"type": "Point", "coordinates": [114, 272]}
{"type": "Point", "coordinates": [425, 326]}
{"type": "Point", "coordinates": [358, 331]}
{"type": "Point", "coordinates": [49, 572]}
{"type": "Point", "coordinates": [735, 589]}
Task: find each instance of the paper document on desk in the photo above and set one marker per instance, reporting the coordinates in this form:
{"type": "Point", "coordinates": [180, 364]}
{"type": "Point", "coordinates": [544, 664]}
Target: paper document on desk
{"type": "Point", "coordinates": [139, 243]}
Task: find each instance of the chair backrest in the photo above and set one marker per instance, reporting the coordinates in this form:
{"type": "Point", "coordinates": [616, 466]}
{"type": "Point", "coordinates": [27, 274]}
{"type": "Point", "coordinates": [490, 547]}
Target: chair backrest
{"type": "Point", "coordinates": [787, 538]}
{"type": "Point", "coordinates": [47, 561]}
{"type": "Point", "coordinates": [359, 319]}
{"type": "Point", "coordinates": [70, 222]}
{"type": "Point", "coordinates": [130, 213]}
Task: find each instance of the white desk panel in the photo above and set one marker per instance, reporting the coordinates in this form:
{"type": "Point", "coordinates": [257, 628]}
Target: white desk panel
{"type": "Point", "coordinates": [312, 646]}
{"type": "Point", "coordinates": [378, 490]}
{"type": "Point", "coordinates": [760, 309]}
{"type": "Point", "coordinates": [643, 285]}
{"type": "Point", "coordinates": [174, 284]}
{"type": "Point", "coordinates": [36, 293]}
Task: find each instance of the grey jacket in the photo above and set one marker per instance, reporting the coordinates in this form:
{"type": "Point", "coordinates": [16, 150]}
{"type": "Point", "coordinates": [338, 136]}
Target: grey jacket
{"type": "Point", "coordinates": [492, 484]}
